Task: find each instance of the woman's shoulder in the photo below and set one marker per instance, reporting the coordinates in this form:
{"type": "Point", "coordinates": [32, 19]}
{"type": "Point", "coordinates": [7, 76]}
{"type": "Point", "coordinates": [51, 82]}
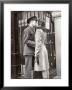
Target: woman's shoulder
{"type": "Point", "coordinates": [39, 29]}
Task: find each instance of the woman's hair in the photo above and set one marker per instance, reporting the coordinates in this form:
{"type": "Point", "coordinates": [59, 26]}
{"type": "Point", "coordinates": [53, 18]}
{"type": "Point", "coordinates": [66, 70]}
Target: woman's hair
{"type": "Point", "coordinates": [43, 24]}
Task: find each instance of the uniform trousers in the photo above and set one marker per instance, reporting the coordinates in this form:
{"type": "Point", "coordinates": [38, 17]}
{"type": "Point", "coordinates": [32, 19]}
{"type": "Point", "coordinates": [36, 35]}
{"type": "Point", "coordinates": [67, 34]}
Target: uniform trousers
{"type": "Point", "coordinates": [28, 66]}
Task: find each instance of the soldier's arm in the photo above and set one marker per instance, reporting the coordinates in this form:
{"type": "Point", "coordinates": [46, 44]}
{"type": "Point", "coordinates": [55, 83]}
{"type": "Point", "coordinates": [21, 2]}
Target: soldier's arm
{"type": "Point", "coordinates": [26, 39]}
{"type": "Point", "coordinates": [31, 43]}
{"type": "Point", "coordinates": [25, 36]}
{"type": "Point", "coordinates": [38, 42]}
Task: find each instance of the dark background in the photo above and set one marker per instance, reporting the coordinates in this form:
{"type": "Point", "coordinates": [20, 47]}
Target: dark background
{"type": "Point", "coordinates": [1, 35]}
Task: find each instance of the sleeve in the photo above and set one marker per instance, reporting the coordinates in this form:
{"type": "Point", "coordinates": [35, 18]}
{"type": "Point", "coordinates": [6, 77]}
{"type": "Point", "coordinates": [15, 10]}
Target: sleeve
{"type": "Point", "coordinates": [26, 39]}
{"type": "Point", "coordinates": [38, 42]}
{"type": "Point", "coordinates": [31, 43]}
{"type": "Point", "coordinates": [25, 36]}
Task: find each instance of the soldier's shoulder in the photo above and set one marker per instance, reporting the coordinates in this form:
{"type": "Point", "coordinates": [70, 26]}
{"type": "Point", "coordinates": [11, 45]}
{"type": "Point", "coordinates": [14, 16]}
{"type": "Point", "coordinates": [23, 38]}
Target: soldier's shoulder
{"type": "Point", "coordinates": [26, 29]}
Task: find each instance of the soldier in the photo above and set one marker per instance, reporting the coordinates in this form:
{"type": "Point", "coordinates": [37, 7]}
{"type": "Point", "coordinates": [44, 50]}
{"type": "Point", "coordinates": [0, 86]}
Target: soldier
{"type": "Point", "coordinates": [29, 45]}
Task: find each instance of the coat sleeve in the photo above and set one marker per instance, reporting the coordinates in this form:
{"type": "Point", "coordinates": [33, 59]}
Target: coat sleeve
{"type": "Point", "coordinates": [26, 39]}
{"type": "Point", "coordinates": [31, 43]}
{"type": "Point", "coordinates": [38, 42]}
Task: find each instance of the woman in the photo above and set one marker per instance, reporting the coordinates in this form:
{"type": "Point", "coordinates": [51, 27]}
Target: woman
{"type": "Point", "coordinates": [41, 55]}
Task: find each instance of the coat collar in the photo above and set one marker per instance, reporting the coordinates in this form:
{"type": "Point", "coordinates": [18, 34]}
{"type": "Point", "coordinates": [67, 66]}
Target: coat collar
{"type": "Point", "coordinates": [32, 28]}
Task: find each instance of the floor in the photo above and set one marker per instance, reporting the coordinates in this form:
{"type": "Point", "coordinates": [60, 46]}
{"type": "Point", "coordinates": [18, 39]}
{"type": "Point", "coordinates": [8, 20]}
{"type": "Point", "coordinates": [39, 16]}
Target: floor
{"type": "Point", "coordinates": [57, 77]}
{"type": "Point", "coordinates": [53, 74]}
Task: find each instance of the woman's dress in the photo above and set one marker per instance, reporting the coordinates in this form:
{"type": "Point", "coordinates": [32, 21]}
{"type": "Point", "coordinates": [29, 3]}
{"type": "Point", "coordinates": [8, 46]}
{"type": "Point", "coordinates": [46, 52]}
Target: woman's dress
{"type": "Point", "coordinates": [41, 51]}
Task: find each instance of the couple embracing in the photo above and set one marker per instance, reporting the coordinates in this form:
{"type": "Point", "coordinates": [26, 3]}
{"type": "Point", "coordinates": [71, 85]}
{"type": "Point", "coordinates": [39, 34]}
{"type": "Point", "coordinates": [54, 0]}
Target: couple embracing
{"type": "Point", "coordinates": [34, 46]}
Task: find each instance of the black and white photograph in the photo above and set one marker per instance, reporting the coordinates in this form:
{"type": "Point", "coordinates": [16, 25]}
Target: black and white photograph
{"type": "Point", "coordinates": [36, 44]}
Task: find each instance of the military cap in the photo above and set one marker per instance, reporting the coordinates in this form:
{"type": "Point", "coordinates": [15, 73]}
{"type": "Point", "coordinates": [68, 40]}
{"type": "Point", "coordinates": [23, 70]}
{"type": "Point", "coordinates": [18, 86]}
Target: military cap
{"type": "Point", "coordinates": [31, 18]}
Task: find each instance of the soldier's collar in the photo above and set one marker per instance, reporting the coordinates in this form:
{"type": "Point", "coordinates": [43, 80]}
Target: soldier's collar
{"type": "Point", "coordinates": [32, 28]}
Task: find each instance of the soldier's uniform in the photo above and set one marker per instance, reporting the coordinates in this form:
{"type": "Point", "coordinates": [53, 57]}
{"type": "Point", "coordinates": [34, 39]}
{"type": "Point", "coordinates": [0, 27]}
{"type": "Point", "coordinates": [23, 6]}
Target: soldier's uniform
{"type": "Point", "coordinates": [28, 49]}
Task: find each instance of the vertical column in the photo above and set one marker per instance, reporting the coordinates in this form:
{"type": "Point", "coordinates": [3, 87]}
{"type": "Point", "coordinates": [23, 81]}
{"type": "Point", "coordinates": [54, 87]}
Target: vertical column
{"type": "Point", "coordinates": [36, 14]}
{"type": "Point", "coordinates": [28, 14]}
{"type": "Point", "coordinates": [32, 13]}
{"type": "Point", "coordinates": [15, 53]}
{"type": "Point", "coordinates": [57, 22]}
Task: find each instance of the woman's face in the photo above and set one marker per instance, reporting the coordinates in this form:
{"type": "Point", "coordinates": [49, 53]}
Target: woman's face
{"type": "Point", "coordinates": [36, 23]}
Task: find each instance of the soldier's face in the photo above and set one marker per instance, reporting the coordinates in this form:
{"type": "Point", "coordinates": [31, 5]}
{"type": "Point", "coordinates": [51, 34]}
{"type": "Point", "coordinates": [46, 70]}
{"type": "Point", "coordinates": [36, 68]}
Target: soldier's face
{"type": "Point", "coordinates": [34, 23]}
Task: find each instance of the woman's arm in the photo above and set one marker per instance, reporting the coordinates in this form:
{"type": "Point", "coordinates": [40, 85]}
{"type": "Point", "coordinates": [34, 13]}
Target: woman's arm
{"type": "Point", "coordinates": [38, 42]}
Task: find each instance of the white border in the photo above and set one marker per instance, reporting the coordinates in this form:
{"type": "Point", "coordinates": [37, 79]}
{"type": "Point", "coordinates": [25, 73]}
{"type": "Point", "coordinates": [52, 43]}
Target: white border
{"type": "Point", "coordinates": [64, 44]}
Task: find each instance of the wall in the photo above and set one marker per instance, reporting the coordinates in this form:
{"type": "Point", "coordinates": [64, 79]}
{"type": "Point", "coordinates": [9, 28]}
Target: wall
{"type": "Point", "coordinates": [57, 23]}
